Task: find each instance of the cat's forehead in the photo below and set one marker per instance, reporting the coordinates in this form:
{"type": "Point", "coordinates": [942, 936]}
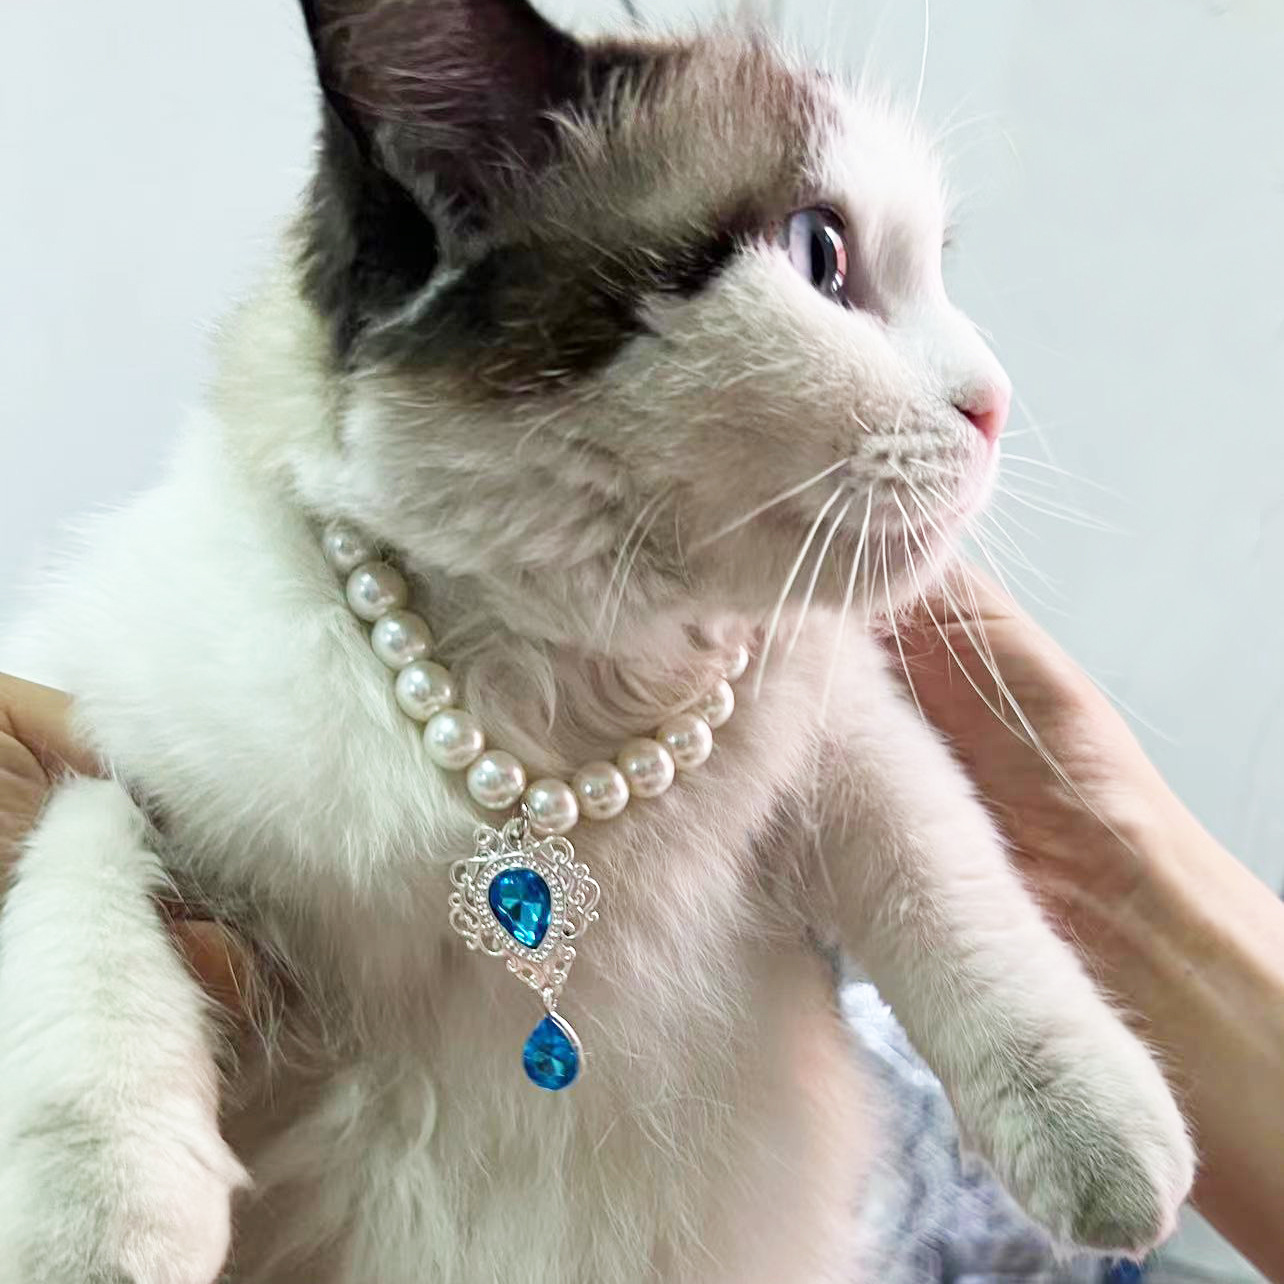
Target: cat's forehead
{"type": "Point", "coordinates": [884, 173]}
{"type": "Point", "coordinates": [701, 134]}
{"type": "Point", "coordinates": [724, 132]}
{"type": "Point", "coordinates": [881, 163]}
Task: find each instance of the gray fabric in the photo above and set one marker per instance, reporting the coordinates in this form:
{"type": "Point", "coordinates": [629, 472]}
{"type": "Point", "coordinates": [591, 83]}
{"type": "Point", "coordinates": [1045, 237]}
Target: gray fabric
{"type": "Point", "coordinates": [936, 1216]}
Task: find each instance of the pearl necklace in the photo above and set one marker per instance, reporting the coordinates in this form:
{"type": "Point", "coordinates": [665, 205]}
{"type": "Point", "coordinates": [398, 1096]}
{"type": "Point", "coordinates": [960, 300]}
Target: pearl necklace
{"type": "Point", "coordinates": [643, 768]}
{"type": "Point", "coordinates": [522, 896]}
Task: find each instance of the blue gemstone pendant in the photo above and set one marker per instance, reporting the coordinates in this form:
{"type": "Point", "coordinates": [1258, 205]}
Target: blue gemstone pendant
{"type": "Point", "coordinates": [528, 901]}
{"type": "Point", "coordinates": [552, 1054]}
{"type": "Point", "coordinates": [520, 899]}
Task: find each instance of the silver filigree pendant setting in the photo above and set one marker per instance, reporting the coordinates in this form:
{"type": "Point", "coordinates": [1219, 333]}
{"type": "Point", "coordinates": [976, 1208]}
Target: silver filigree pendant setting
{"type": "Point", "coordinates": [527, 900]}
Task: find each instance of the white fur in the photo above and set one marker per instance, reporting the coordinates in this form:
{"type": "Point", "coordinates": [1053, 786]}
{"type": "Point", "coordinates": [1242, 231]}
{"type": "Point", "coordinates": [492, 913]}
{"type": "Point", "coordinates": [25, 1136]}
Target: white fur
{"type": "Point", "coordinates": [112, 1156]}
{"type": "Point", "coordinates": [720, 1131]}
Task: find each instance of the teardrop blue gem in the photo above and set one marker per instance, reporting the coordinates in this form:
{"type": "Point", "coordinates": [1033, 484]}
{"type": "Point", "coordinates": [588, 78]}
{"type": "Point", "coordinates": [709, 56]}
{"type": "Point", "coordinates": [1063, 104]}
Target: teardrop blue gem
{"type": "Point", "coordinates": [520, 900]}
{"type": "Point", "coordinates": [549, 1057]}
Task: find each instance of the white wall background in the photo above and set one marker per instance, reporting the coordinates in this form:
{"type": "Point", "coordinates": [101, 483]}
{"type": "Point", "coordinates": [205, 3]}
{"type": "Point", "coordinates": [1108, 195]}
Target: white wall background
{"type": "Point", "coordinates": [1123, 240]}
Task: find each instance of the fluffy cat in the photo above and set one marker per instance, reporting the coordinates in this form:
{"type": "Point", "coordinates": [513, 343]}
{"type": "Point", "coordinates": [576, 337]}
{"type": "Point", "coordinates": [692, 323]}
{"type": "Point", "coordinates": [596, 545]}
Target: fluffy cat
{"type": "Point", "coordinates": [590, 337]}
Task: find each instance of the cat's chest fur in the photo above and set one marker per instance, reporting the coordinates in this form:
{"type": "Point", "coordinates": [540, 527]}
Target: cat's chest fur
{"type": "Point", "coordinates": [217, 666]}
{"type": "Point", "coordinates": [229, 683]}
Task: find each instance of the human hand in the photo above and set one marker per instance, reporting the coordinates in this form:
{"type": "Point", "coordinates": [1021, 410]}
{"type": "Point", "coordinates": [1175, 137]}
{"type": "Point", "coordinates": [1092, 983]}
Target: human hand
{"type": "Point", "coordinates": [1084, 809]}
{"type": "Point", "coordinates": [37, 747]}
{"type": "Point", "coordinates": [1183, 935]}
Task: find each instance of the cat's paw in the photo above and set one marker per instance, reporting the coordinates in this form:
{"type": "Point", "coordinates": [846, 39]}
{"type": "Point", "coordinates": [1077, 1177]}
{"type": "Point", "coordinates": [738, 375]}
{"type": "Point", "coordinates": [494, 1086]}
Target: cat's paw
{"type": "Point", "coordinates": [83, 1206]}
{"type": "Point", "coordinates": [1089, 1141]}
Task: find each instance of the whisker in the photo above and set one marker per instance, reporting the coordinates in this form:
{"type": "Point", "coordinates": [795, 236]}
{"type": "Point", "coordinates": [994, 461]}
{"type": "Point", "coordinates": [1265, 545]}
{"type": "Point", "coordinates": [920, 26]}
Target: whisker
{"type": "Point", "coordinates": [1051, 508]}
{"type": "Point", "coordinates": [1028, 531]}
{"type": "Point", "coordinates": [815, 575]}
{"type": "Point", "coordinates": [1130, 710]}
{"type": "Point", "coordinates": [680, 554]}
{"type": "Point", "coordinates": [847, 604]}
{"type": "Point", "coordinates": [1034, 425]}
{"type": "Point", "coordinates": [891, 609]}
{"type": "Point", "coordinates": [940, 530]}
{"type": "Point", "coordinates": [978, 537]}
{"type": "Point", "coordinates": [1011, 548]}
{"type": "Point", "coordinates": [923, 598]}
{"type": "Point", "coordinates": [951, 126]}
{"type": "Point", "coordinates": [933, 466]}
{"type": "Point", "coordinates": [985, 650]}
{"type": "Point", "coordinates": [1027, 731]}
{"type": "Point", "coordinates": [1054, 484]}
{"type": "Point", "coordinates": [628, 570]}
{"type": "Point", "coordinates": [771, 503]}
{"type": "Point", "coordinates": [623, 554]}
{"type": "Point", "coordinates": [1001, 533]}
{"type": "Point", "coordinates": [538, 426]}
{"type": "Point", "coordinates": [988, 515]}
{"type": "Point", "coordinates": [1051, 488]}
{"type": "Point", "coordinates": [1018, 588]}
{"type": "Point", "coordinates": [1009, 457]}
{"type": "Point", "coordinates": [990, 659]}
{"type": "Point", "coordinates": [983, 514]}
{"type": "Point", "coordinates": [1031, 735]}
{"type": "Point", "coordinates": [985, 551]}
{"type": "Point", "coordinates": [922, 67]}
{"type": "Point", "coordinates": [1000, 686]}
{"type": "Point", "coordinates": [914, 495]}
{"type": "Point", "coordinates": [774, 623]}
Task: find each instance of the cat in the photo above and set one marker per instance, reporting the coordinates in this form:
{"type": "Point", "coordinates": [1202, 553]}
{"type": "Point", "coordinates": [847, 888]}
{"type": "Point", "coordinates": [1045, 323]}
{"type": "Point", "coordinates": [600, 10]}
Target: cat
{"type": "Point", "coordinates": [591, 339]}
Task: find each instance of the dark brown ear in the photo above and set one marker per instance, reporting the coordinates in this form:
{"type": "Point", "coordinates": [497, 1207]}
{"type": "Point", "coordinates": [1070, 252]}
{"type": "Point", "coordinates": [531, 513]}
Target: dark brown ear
{"type": "Point", "coordinates": [441, 92]}
{"type": "Point", "coordinates": [428, 106]}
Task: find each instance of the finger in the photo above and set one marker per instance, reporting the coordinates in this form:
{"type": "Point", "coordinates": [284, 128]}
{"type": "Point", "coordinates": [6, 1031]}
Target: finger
{"type": "Point", "coordinates": [951, 623]}
{"type": "Point", "coordinates": [220, 961]}
{"type": "Point", "coordinates": [967, 592]}
{"type": "Point", "coordinates": [41, 719]}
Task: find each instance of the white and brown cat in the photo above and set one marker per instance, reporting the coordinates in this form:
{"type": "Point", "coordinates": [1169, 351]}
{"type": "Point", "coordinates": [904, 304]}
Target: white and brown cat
{"type": "Point", "coordinates": [568, 329]}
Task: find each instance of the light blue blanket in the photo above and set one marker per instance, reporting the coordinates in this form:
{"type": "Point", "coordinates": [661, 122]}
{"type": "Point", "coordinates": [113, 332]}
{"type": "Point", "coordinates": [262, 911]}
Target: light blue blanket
{"type": "Point", "coordinates": [938, 1216]}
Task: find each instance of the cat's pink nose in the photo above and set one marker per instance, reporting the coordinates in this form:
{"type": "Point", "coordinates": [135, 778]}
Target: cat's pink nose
{"type": "Point", "coordinates": [987, 408]}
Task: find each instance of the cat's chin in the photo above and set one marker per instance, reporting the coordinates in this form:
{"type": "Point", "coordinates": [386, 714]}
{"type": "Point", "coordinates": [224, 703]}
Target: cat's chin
{"type": "Point", "coordinates": [976, 485]}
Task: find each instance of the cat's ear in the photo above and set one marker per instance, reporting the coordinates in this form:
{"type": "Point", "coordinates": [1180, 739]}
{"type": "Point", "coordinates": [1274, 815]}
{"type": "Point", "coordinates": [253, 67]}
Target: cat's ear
{"type": "Point", "coordinates": [444, 94]}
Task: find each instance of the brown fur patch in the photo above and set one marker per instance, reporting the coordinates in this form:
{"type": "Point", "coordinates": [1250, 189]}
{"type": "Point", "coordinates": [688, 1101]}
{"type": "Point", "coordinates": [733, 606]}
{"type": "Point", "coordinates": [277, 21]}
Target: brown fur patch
{"type": "Point", "coordinates": [657, 178]}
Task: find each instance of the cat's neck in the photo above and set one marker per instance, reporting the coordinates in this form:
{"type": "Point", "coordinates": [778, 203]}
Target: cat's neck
{"type": "Point", "coordinates": [555, 680]}
{"type": "Point", "coordinates": [559, 702]}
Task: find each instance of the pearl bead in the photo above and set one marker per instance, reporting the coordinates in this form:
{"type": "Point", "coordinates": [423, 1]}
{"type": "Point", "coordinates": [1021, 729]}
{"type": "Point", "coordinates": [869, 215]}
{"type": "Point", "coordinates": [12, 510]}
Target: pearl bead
{"type": "Point", "coordinates": [374, 589]}
{"type": "Point", "coordinates": [718, 705]}
{"type": "Point", "coordinates": [400, 637]}
{"type": "Point", "coordinates": [601, 789]}
{"type": "Point", "coordinates": [736, 666]}
{"type": "Point", "coordinates": [688, 738]}
{"type": "Point", "coordinates": [648, 768]}
{"type": "Point", "coordinates": [496, 780]}
{"type": "Point", "coordinates": [424, 688]}
{"type": "Point", "coordinates": [552, 806]}
{"type": "Point", "coordinates": [453, 739]}
{"type": "Point", "coordinates": [345, 548]}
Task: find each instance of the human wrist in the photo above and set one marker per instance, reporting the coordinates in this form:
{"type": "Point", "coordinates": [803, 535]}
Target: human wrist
{"type": "Point", "coordinates": [1126, 883]}
{"type": "Point", "coordinates": [1195, 956]}
{"type": "Point", "coordinates": [1175, 900]}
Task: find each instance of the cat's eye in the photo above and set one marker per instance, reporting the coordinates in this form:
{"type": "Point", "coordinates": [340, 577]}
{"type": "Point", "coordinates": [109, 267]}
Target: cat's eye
{"type": "Point", "coordinates": [816, 242]}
